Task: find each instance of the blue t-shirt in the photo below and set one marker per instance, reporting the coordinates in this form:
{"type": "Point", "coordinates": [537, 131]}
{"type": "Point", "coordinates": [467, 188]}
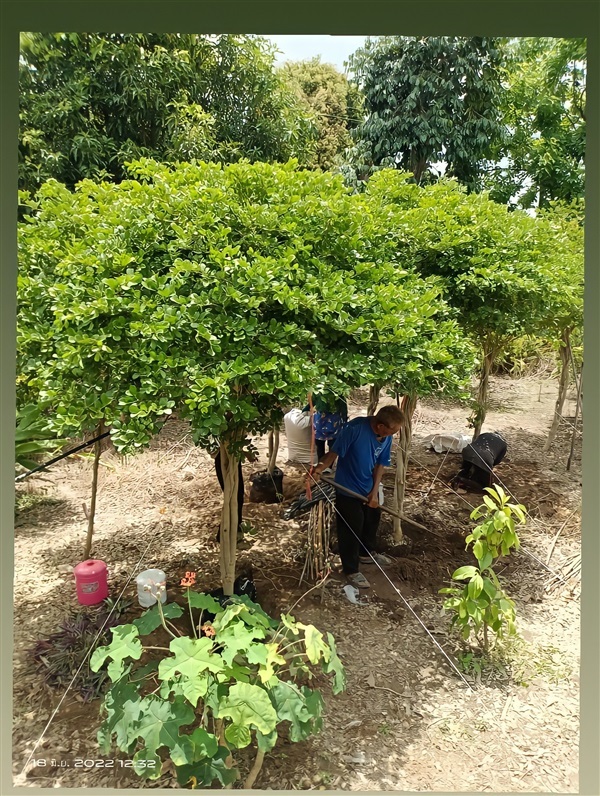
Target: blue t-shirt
{"type": "Point", "coordinates": [359, 451]}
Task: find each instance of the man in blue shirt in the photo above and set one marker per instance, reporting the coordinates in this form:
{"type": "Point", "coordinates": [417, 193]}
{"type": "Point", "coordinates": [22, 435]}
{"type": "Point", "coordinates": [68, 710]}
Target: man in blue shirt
{"type": "Point", "coordinates": [363, 447]}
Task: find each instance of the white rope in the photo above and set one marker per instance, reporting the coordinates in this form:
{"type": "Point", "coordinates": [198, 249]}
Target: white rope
{"type": "Point", "coordinates": [398, 592]}
{"type": "Point", "coordinates": [92, 645]}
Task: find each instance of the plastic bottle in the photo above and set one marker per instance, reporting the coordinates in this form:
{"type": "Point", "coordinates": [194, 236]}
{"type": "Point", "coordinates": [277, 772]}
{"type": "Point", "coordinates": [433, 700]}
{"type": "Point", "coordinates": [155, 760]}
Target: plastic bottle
{"type": "Point", "coordinates": [147, 583]}
{"type": "Point", "coordinates": [91, 581]}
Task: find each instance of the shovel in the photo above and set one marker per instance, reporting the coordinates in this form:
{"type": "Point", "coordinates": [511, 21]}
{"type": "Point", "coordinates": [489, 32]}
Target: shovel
{"type": "Point", "coordinates": [383, 508]}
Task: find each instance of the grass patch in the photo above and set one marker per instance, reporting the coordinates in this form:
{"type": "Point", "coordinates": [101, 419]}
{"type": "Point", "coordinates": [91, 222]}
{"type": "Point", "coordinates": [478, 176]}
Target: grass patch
{"type": "Point", "coordinates": [28, 501]}
{"type": "Point", "coordinates": [515, 660]}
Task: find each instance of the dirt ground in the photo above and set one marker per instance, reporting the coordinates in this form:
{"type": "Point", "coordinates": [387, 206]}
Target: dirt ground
{"type": "Point", "coordinates": [407, 720]}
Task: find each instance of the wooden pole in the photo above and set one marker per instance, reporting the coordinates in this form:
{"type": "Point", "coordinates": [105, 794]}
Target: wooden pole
{"type": "Point", "coordinates": [569, 460]}
{"type": "Point", "coordinates": [90, 517]}
{"type": "Point", "coordinates": [383, 508]}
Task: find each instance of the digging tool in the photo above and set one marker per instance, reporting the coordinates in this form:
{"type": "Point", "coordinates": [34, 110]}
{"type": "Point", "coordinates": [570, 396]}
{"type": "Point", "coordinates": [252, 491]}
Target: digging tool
{"type": "Point", "coordinates": [383, 508]}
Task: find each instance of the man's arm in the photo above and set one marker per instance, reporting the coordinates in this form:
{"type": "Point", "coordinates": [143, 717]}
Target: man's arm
{"type": "Point", "coordinates": [373, 496]}
{"type": "Point", "coordinates": [325, 462]}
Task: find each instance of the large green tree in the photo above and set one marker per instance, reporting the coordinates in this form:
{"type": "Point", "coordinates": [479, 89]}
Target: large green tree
{"type": "Point", "coordinates": [334, 104]}
{"type": "Point", "coordinates": [226, 292]}
{"type": "Point", "coordinates": [543, 109]}
{"type": "Point", "coordinates": [427, 100]}
{"type": "Point", "coordinates": [90, 102]}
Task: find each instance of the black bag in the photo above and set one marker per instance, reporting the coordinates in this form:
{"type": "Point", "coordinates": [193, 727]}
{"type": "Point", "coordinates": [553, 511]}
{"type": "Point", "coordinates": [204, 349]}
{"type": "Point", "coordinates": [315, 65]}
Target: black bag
{"type": "Point", "coordinates": [266, 487]}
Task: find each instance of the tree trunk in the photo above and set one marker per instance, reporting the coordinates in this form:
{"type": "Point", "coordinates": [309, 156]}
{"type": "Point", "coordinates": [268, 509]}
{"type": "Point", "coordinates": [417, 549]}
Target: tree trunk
{"type": "Point", "coordinates": [418, 165]}
{"type": "Point", "coordinates": [408, 406]}
{"type": "Point", "coordinates": [482, 393]}
{"type": "Point", "coordinates": [229, 517]}
{"type": "Point", "coordinates": [273, 449]}
{"type": "Point", "coordinates": [563, 384]}
{"type": "Point", "coordinates": [374, 391]}
{"type": "Point", "coordinates": [577, 406]}
{"type": "Point", "coordinates": [97, 453]}
{"type": "Point", "coordinates": [255, 770]}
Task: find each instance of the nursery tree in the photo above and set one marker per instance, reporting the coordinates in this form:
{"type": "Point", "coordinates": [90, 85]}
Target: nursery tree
{"type": "Point", "coordinates": [563, 226]}
{"type": "Point", "coordinates": [500, 269]}
{"type": "Point", "coordinates": [440, 360]}
{"type": "Point", "coordinates": [86, 351]}
{"type": "Point", "coordinates": [229, 293]}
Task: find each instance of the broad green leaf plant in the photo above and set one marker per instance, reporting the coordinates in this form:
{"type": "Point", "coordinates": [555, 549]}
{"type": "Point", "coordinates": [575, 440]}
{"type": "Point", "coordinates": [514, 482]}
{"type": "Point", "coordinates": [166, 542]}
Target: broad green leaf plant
{"type": "Point", "coordinates": [231, 677]}
{"type": "Point", "coordinates": [481, 604]}
{"type": "Point", "coordinates": [33, 437]}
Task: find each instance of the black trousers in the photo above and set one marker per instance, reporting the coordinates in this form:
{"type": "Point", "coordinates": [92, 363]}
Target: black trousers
{"type": "Point", "coordinates": [320, 446]}
{"type": "Point", "coordinates": [240, 495]}
{"type": "Point", "coordinates": [357, 526]}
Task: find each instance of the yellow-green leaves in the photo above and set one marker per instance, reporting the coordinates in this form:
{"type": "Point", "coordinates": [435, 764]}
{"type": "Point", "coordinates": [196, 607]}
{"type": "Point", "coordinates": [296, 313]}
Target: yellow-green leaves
{"type": "Point", "coordinates": [242, 679]}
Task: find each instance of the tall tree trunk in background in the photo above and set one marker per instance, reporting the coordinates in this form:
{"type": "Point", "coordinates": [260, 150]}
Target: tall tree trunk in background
{"type": "Point", "coordinates": [229, 517]}
{"type": "Point", "coordinates": [374, 391]}
{"type": "Point", "coordinates": [408, 406]}
{"type": "Point", "coordinates": [482, 393]}
{"type": "Point", "coordinates": [100, 429]}
{"type": "Point", "coordinates": [273, 449]}
{"type": "Point", "coordinates": [418, 165]}
{"type": "Point", "coordinates": [563, 384]}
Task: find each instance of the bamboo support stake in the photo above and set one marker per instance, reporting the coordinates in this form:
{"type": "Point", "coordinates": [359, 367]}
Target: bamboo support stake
{"type": "Point", "coordinates": [92, 512]}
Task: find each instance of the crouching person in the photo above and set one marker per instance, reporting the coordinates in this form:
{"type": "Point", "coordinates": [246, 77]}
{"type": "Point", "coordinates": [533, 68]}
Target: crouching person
{"type": "Point", "coordinates": [479, 460]}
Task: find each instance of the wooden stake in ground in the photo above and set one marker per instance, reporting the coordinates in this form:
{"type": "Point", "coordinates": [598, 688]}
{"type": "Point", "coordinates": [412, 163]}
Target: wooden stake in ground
{"type": "Point", "coordinates": [578, 404]}
{"type": "Point", "coordinates": [563, 384]}
{"type": "Point", "coordinates": [100, 429]}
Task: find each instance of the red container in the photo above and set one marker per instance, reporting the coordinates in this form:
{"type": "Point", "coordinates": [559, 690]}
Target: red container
{"type": "Point", "coordinates": [91, 581]}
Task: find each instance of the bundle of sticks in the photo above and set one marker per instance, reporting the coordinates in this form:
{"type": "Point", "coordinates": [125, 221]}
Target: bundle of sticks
{"type": "Point", "coordinates": [318, 554]}
{"type": "Point", "coordinates": [569, 573]}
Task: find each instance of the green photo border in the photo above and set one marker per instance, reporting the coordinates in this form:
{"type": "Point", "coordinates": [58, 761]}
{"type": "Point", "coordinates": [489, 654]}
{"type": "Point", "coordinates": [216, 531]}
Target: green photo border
{"type": "Point", "coordinates": [371, 17]}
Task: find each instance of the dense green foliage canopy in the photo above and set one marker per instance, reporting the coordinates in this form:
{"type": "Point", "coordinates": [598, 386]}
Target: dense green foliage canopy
{"type": "Point", "coordinates": [428, 100]}
{"type": "Point", "coordinates": [227, 292]}
{"type": "Point", "coordinates": [506, 273]}
{"type": "Point", "coordinates": [543, 110]}
{"type": "Point", "coordinates": [90, 102]}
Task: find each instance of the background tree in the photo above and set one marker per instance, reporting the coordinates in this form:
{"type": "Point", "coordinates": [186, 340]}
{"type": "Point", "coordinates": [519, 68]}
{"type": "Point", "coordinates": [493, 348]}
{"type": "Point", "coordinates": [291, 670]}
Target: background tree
{"type": "Point", "coordinates": [427, 100]}
{"type": "Point", "coordinates": [563, 224]}
{"type": "Point", "coordinates": [334, 104]}
{"type": "Point", "coordinates": [91, 102]}
{"type": "Point", "coordinates": [543, 109]}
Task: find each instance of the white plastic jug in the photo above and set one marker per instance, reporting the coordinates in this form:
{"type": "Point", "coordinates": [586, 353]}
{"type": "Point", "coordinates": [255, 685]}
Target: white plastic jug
{"type": "Point", "coordinates": [148, 583]}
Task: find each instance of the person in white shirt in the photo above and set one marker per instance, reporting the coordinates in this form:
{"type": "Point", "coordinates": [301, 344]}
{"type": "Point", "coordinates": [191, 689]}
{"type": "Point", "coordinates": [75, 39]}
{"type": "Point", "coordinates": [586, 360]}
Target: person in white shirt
{"type": "Point", "coordinates": [298, 430]}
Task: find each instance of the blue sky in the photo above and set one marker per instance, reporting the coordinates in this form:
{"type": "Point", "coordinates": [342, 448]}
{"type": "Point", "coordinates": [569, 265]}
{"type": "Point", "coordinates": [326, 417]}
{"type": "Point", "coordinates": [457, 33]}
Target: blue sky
{"type": "Point", "coordinates": [332, 49]}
